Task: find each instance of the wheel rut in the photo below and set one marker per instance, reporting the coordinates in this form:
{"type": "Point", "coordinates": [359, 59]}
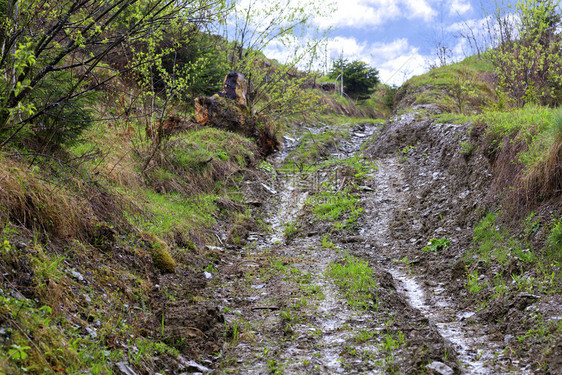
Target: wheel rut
{"type": "Point", "coordinates": [286, 314]}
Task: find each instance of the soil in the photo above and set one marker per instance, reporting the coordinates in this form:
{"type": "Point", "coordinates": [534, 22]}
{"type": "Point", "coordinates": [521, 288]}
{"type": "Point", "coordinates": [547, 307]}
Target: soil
{"type": "Point", "coordinates": [285, 314]}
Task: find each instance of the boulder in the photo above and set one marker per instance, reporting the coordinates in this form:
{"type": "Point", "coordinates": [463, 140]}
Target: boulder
{"type": "Point", "coordinates": [235, 87]}
{"type": "Point", "coordinates": [228, 110]}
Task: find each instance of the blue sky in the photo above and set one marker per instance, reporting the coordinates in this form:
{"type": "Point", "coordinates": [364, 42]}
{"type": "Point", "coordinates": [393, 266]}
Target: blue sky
{"type": "Point", "coordinates": [399, 37]}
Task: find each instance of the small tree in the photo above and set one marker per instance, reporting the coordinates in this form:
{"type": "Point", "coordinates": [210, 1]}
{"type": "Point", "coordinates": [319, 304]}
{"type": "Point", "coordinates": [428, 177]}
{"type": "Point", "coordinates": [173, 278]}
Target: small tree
{"type": "Point", "coordinates": [282, 25]}
{"type": "Point", "coordinates": [44, 42]}
{"type": "Point", "coordinates": [359, 79]}
{"type": "Point", "coordinates": [529, 68]}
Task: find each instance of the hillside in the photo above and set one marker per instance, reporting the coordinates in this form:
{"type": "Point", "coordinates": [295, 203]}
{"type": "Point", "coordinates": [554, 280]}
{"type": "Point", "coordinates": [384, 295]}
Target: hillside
{"type": "Point", "coordinates": [137, 239]}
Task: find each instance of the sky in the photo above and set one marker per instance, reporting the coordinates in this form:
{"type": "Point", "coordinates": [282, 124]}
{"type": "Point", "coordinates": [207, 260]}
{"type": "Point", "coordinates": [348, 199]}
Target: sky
{"type": "Point", "coordinates": [400, 37]}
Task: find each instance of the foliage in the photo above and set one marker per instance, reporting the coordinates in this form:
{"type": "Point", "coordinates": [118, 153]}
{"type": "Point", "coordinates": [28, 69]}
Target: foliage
{"type": "Point", "coordinates": [355, 277]}
{"type": "Point", "coordinates": [276, 87]}
{"type": "Point", "coordinates": [554, 242]}
{"type": "Point", "coordinates": [291, 229]}
{"type": "Point", "coordinates": [529, 67]}
{"type": "Point", "coordinates": [455, 88]}
{"type": "Point", "coordinates": [513, 257]}
{"type": "Point", "coordinates": [342, 208]}
{"type": "Point", "coordinates": [536, 128]}
{"type": "Point", "coordinates": [39, 43]}
{"type": "Point", "coordinates": [437, 244]}
{"type": "Point", "coordinates": [359, 79]}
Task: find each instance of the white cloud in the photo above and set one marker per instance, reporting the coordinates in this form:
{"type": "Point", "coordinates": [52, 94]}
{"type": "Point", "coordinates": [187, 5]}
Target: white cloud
{"type": "Point", "coordinates": [460, 7]}
{"type": "Point", "coordinates": [360, 13]}
{"type": "Point", "coordinates": [419, 9]}
{"type": "Point", "coordinates": [373, 13]}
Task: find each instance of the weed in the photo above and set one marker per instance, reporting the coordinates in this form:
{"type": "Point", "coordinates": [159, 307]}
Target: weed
{"type": "Point", "coordinates": [473, 284]}
{"type": "Point", "coordinates": [291, 316]}
{"type": "Point", "coordinates": [350, 350]}
{"type": "Point", "coordinates": [436, 245]}
{"type": "Point", "coordinates": [466, 148]}
{"type": "Point", "coordinates": [341, 208]}
{"type": "Point", "coordinates": [554, 243]}
{"type": "Point", "coordinates": [291, 229]}
{"type": "Point", "coordinates": [532, 224]}
{"type": "Point", "coordinates": [326, 242]}
{"type": "Point", "coordinates": [356, 279]}
{"type": "Point", "coordinates": [403, 152]}
{"type": "Point", "coordinates": [364, 335]}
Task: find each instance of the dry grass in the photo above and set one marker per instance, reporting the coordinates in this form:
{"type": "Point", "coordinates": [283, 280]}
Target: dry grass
{"type": "Point", "coordinates": [29, 200]}
{"type": "Point", "coordinates": [544, 181]}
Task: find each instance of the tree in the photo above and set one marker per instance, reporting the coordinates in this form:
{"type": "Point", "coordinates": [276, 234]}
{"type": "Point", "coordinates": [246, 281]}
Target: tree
{"type": "Point", "coordinates": [529, 68]}
{"type": "Point", "coordinates": [282, 26]}
{"type": "Point", "coordinates": [359, 79]}
{"type": "Point", "coordinates": [43, 42]}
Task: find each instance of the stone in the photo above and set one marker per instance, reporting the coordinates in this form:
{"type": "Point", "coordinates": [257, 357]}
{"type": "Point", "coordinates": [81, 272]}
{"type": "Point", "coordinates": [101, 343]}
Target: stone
{"type": "Point", "coordinates": [439, 368]}
{"type": "Point", "coordinates": [125, 369]}
{"type": "Point", "coordinates": [235, 87]}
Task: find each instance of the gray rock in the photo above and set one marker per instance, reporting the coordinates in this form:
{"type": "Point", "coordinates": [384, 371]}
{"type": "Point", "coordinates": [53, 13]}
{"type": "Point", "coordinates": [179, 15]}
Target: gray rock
{"type": "Point", "coordinates": [192, 366]}
{"type": "Point", "coordinates": [125, 369]}
{"type": "Point", "coordinates": [439, 368]}
{"type": "Point", "coordinates": [77, 275]}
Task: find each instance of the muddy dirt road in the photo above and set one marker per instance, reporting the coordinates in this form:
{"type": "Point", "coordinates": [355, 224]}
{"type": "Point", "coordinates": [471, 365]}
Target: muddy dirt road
{"type": "Point", "coordinates": [341, 295]}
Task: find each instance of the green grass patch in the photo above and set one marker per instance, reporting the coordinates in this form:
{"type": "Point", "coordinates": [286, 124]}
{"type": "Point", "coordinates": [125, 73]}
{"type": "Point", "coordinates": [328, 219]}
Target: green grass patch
{"type": "Point", "coordinates": [437, 244]}
{"type": "Point", "coordinates": [453, 87]}
{"type": "Point", "coordinates": [355, 278]}
{"type": "Point", "coordinates": [167, 214]}
{"type": "Point", "coordinates": [500, 249]}
{"type": "Point", "coordinates": [340, 208]}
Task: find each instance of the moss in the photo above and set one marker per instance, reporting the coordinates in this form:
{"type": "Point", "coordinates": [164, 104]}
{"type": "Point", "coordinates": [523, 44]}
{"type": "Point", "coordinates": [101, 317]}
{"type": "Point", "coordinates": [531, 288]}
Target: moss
{"type": "Point", "coordinates": [159, 251]}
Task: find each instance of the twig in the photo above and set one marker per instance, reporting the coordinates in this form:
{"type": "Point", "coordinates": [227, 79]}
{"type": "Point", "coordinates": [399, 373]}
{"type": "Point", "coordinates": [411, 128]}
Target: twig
{"type": "Point", "coordinates": [196, 329]}
{"type": "Point", "coordinates": [341, 185]}
{"type": "Point", "coordinates": [246, 261]}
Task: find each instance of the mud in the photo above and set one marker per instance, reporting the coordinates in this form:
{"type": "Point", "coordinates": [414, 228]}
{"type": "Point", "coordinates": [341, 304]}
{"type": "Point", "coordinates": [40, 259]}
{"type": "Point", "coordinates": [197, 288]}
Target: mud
{"type": "Point", "coordinates": [284, 314]}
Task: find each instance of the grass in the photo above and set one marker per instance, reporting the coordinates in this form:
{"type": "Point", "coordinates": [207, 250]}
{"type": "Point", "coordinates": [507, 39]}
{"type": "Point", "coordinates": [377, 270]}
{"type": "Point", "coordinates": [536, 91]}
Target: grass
{"type": "Point", "coordinates": [498, 249]}
{"type": "Point", "coordinates": [457, 87]}
{"type": "Point", "coordinates": [342, 209]}
{"type": "Point", "coordinates": [364, 335]}
{"type": "Point", "coordinates": [437, 244]}
{"type": "Point", "coordinates": [355, 278]}
{"type": "Point", "coordinates": [291, 229]}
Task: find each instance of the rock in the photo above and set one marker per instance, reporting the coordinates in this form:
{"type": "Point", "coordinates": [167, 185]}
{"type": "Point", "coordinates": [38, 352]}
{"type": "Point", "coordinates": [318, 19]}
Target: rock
{"type": "Point", "coordinates": [228, 110]}
{"type": "Point", "coordinates": [439, 368]}
{"type": "Point", "coordinates": [235, 87]}
{"type": "Point", "coordinates": [125, 369]}
{"type": "Point", "coordinates": [269, 189]}
{"type": "Point", "coordinates": [352, 239]}
{"type": "Point", "coordinates": [192, 366]}
{"type": "Point", "coordinates": [77, 275]}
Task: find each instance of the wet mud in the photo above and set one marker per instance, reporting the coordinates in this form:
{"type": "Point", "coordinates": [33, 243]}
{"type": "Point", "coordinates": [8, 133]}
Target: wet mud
{"type": "Point", "coordinates": [285, 314]}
